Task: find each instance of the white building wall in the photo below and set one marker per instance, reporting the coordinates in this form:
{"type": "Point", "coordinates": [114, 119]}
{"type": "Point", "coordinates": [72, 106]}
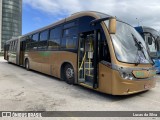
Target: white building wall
{"type": "Point", "coordinates": [0, 23]}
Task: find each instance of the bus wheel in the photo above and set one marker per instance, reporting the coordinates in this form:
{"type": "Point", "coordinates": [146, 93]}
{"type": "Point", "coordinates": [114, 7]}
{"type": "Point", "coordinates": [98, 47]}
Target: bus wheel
{"type": "Point", "coordinates": [69, 74]}
{"type": "Point", "coordinates": [27, 65]}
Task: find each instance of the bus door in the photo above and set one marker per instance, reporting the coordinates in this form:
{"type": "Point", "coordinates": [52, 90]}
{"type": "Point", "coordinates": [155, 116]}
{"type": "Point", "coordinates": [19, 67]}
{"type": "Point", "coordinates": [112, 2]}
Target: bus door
{"type": "Point", "coordinates": [87, 70]}
{"type": "Point", "coordinates": [22, 51]}
{"type": "Point", "coordinates": [6, 49]}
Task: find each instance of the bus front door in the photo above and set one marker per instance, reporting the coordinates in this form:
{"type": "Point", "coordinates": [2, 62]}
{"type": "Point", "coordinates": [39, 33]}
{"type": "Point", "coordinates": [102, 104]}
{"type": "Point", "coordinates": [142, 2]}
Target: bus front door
{"type": "Point", "coordinates": [87, 70]}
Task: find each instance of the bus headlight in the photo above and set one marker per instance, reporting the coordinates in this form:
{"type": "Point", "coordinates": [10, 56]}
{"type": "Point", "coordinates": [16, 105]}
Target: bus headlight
{"type": "Point", "coordinates": [127, 76]}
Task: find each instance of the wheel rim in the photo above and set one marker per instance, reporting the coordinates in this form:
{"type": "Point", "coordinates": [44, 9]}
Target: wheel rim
{"type": "Point", "coordinates": [69, 73]}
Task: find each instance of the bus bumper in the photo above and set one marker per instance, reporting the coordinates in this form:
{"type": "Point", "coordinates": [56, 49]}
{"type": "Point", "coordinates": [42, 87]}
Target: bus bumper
{"type": "Point", "coordinates": [158, 70]}
{"type": "Point", "coordinates": [127, 87]}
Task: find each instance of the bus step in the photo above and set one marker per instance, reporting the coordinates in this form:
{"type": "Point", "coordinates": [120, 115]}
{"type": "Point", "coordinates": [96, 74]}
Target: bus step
{"type": "Point", "coordinates": [81, 80]}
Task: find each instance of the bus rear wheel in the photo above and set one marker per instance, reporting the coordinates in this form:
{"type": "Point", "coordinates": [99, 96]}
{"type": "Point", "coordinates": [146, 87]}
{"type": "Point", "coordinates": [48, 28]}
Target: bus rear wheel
{"type": "Point", "coordinates": [27, 64]}
{"type": "Point", "coordinates": [69, 74]}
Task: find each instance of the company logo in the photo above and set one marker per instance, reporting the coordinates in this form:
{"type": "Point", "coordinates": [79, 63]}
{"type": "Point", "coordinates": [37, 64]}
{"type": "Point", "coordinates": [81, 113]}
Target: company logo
{"type": "Point", "coordinates": [6, 114]}
{"type": "Point", "coordinates": [21, 114]}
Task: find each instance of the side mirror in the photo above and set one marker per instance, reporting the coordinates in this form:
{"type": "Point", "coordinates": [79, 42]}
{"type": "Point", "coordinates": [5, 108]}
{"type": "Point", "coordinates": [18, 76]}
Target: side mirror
{"type": "Point", "coordinates": [112, 26]}
{"type": "Point", "coordinates": [150, 40]}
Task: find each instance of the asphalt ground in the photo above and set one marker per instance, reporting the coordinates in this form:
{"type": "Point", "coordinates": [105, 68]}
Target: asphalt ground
{"type": "Point", "coordinates": [22, 90]}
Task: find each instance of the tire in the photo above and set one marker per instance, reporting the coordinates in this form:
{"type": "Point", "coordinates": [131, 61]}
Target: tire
{"type": "Point", "coordinates": [27, 65]}
{"type": "Point", "coordinates": [69, 74]}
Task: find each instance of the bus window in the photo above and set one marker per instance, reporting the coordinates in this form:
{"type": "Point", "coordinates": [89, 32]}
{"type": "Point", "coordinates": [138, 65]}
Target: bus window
{"type": "Point", "coordinates": [15, 45]}
{"type": "Point", "coordinates": [34, 42]}
{"type": "Point", "coordinates": [54, 38]}
{"type": "Point", "coordinates": [35, 37]}
{"type": "Point", "coordinates": [69, 25]}
{"type": "Point", "coordinates": [10, 47]}
{"type": "Point", "coordinates": [28, 41]}
{"type": "Point", "coordinates": [152, 45]}
{"type": "Point", "coordinates": [84, 24]}
{"type": "Point", "coordinates": [69, 40]}
{"type": "Point", "coordinates": [43, 40]}
{"type": "Point", "coordinates": [104, 51]}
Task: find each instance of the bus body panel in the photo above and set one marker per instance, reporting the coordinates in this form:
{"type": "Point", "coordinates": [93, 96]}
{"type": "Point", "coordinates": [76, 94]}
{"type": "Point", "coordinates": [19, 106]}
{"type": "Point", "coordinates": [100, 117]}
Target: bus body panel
{"type": "Point", "coordinates": [105, 79]}
{"type": "Point", "coordinates": [125, 87]}
{"type": "Point", "coordinates": [50, 62]}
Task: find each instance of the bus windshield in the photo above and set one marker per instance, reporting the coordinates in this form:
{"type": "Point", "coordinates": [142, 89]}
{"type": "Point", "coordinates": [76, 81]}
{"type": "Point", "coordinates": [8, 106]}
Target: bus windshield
{"type": "Point", "coordinates": [129, 45]}
{"type": "Point", "coordinates": [158, 47]}
{"type": "Point", "coordinates": [153, 46]}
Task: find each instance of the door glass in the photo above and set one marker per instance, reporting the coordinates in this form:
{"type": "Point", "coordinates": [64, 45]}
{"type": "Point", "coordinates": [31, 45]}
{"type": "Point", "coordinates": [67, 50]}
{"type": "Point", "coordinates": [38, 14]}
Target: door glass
{"type": "Point", "coordinates": [86, 58]}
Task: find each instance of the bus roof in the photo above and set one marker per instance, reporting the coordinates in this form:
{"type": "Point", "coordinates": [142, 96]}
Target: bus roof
{"type": "Point", "coordinates": [96, 15]}
{"type": "Point", "coordinates": [14, 38]}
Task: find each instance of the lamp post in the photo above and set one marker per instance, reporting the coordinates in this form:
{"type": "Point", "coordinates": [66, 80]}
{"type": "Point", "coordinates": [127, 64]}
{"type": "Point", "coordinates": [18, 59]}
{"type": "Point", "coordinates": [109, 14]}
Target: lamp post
{"type": "Point", "coordinates": [137, 21]}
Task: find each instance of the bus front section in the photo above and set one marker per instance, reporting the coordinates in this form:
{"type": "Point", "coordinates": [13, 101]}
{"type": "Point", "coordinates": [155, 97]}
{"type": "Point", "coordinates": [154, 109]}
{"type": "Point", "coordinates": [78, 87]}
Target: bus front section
{"type": "Point", "coordinates": [131, 66]}
{"type": "Point", "coordinates": [152, 40]}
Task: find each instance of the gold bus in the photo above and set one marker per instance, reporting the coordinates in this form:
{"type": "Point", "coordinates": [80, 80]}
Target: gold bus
{"type": "Point", "coordinates": [91, 49]}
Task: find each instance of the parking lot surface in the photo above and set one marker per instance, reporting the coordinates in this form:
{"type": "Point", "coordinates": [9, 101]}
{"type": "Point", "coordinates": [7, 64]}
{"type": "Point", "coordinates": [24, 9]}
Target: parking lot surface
{"type": "Point", "coordinates": [22, 90]}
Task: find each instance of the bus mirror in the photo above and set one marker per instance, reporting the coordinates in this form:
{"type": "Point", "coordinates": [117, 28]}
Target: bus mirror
{"type": "Point", "coordinates": [112, 26]}
{"type": "Point", "coordinates": [150, 40]}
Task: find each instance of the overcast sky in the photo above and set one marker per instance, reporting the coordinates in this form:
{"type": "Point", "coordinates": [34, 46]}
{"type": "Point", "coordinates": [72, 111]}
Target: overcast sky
{"type": "Point", "coordinates": [39, 13]}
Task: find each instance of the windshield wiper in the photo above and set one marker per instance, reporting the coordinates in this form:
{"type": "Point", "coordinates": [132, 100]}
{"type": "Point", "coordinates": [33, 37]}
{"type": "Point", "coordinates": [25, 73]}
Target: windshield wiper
{"type": "Point", "coordinates": [140, 48]}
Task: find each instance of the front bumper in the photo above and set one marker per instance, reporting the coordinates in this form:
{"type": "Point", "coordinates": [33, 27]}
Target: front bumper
{"type": "Point", "coordinates": [158, 70]}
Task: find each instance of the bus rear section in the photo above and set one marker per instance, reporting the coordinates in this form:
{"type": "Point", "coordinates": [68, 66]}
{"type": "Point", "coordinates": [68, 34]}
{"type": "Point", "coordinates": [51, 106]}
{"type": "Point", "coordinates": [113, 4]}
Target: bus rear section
{"type": "Point", "coordinates": [6, 50]}
{"type": "Point", "coordinates": [13, 51]}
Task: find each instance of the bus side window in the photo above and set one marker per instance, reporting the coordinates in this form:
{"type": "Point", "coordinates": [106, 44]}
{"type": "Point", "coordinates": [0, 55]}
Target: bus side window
{"type": "Point", "coordinates": [10, 46]}
{"type": "Point", "coordinates": [54, 38]}
{"type": "Point", "coordinates": [16, 45]}
{"type": "Point", "coordinates": [34, 42]}
{"type": "Point", "coordinates": [70, 38]}
{"type": "Point", "coordinates": [43, 40]}
{"type": "Point", "coordinates": [28, 41]}
{"type": "Point", "coordinates": [105, 51]}
{"type": "Point", "coordinates": [12, 49]}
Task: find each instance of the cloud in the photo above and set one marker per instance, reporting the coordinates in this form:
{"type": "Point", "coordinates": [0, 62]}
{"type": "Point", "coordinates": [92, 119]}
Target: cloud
{"type": "Point", "coordinates": [146, 11]}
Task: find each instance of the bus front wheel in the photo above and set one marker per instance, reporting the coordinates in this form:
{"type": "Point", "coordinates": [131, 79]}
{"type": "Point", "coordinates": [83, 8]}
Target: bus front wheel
{"type": "Point", "coordinates": [27, 64]}
{"type": "Point", "coordinates": [69, 74]}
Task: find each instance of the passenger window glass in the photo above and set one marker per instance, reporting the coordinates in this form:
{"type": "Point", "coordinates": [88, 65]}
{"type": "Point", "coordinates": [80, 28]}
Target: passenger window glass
{"type": "Point", "coordinates": [54, 38]}
{"type": "Point", "coordinates": [34, 42]}
{"type": "Point", "coordinates": [16, 45]}
{"type": "Point", "coordinates": [10, 48]}
{"type": "Point", "coordinates": [104, 51]}
{"type": "Point", "coordinates": [13, 46]}
{"type": "Point", "coordinates": [44, 36]}
{"type": "Point", "coordinates": [69, 40]}
{"type": "Point", "coordinates": [35, 37]}
{"type": "Point", "coordinates": [28, 41]}
{"type": "Point", "coordinates": [43, 40]}
{"type": "Point", "coordinates": [70, 32]}
{"type": "Point", "coordinates": [84, 24]}
{"type": "Point", "coordinates": [68, 25]}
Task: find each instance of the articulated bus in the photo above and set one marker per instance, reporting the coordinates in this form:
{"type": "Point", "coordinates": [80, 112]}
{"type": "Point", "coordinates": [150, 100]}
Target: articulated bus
{"type": "Point", "coordinates": [152, 40]}
{"type": "Point", "coordinates": [91, 49]}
